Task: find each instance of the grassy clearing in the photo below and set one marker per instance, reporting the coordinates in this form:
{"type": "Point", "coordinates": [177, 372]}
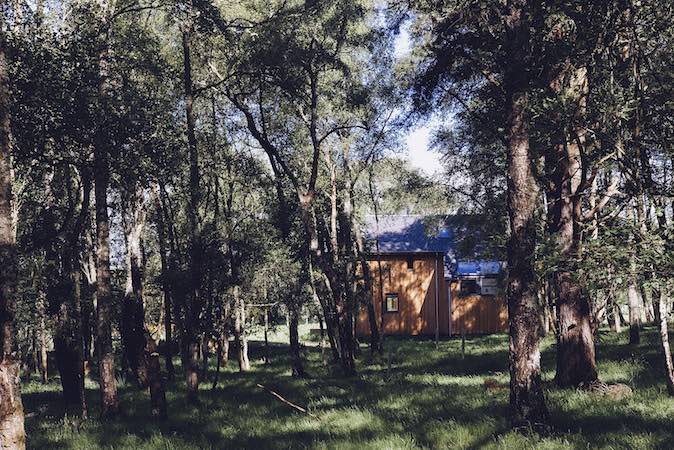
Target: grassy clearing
{"type": "Point", "coordinates": [428, 398]}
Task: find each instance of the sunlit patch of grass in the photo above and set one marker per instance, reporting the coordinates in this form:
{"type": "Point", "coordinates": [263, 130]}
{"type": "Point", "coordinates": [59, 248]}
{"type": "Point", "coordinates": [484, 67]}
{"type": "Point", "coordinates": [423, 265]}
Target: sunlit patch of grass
{"type": "Point", "coordinates": [415, 395]}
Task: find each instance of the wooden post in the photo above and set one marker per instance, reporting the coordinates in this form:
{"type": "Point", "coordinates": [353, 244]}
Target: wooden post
{"type": "Point", "coordinates": [266, 341]}
{"type": "Point", "coordinates": [437, 303]}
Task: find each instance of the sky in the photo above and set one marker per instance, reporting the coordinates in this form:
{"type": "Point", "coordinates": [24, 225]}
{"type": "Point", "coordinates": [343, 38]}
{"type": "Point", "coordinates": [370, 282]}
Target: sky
{"type": "Point", "coordinates": [418, 139]}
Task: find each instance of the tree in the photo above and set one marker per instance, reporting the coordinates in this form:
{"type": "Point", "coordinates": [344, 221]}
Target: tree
{"type": "Point", "coordinates": [526, 395]}
{"type": "Point", "coordinates": [485, 63]}
{"type": "Point", "coordinates": [12, 433]}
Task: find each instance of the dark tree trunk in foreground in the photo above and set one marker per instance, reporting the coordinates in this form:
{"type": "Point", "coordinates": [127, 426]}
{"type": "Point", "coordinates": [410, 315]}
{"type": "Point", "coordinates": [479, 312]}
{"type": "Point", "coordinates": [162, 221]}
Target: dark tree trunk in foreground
{"type": "Point", "coordinates": [191, 336]}
{"type": "Point", "coordinates": [12, 433]}
{"type": "Point", "coordinates": [527, 401]}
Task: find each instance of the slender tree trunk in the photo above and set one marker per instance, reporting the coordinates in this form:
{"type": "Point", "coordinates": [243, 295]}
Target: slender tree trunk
{"type": "Point", "coordinates": [635, 312]}
{"type": "Point", "coordinates": [656, 298]}
{"type": "Point", "coordinates": [89, 302]}
{"type": "Point", "coordinates": [240, 330]}
{"type": "Point", "coordinates": [12, 432]}
{"type": "Point", "coordinates": [42, 338]}
{"type": "Point", "coordinates": [664, 341]}
{"type": "Point", "coordinates": [527, 401]}
{"type": "Point", "coordinates": [192, 312]}
{"type": "Point", "coordinates": [376, 341]}
{"type": "Point", "coordinates": [165, 273]}
{"type": "Point", "coordinates": [155, 379]}
{"type": "Point", "coordinates": [133, 311]}
{"type": "Point", "coordinates": [223, 346]}
{"type": "Point", "coordinates": [106, 356]}
{"type": "Point", "coordinates": [266, 337]}
{"type": "Point", "coordinates": [295, 350]}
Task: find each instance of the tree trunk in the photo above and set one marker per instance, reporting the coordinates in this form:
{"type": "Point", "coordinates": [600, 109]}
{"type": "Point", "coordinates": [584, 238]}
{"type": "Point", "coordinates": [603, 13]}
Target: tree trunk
{"type": "Point", "coordinates": [635, 311]}
{"type": "Point", "coordinates": [12, 433]}
{"type": "Point", "coordinates": [89, 302]}
{"type": "Point", "coordinates": [106, 356]}
{"type": "Point", "coordinates": [133, 312]}
{"type": "Point", "coordinates": [295, 351]}
{"type": "Point", "coordinates": [527, 401]}
{"type": "Point", "coordinates": [613, 313]}
{"type": "Point", "coordinates": [656, 298]}
{"type": "Point", "coordinates": [376, 338]}
{"type": "Point", "coordinates": [168, 310]}
{"type": "Point", "coordinates": [575, 346]}
{"type": "Point", "coordinates": [266, 332]}
{"type": "Point", "coordinates": [194, 302]}
{"type": "Point", "coordinates": [42, 338]}
{"type": "Point", "coordinates": [240, 330]}
{"type": "Point", "coordinates": [155, 379]}
{"type": "Point", "coordinates": [576, 362]}
{"type": "Point", "coordinates": [664, 341]}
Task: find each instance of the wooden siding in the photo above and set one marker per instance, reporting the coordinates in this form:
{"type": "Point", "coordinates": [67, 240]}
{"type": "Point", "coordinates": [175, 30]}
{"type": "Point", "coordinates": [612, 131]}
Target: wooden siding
{"type": "Point", "coordinates": [474, 314]}
{"type": "Point", "coordinates": [478, 314]}
{"type": "Point", "coordinates": [416, 296]}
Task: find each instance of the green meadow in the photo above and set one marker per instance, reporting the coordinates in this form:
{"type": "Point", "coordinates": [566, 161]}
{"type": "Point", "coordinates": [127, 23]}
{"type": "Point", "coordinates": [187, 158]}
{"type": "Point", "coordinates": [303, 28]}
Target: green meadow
{"type": "Point", "coordinates": [416, 396]}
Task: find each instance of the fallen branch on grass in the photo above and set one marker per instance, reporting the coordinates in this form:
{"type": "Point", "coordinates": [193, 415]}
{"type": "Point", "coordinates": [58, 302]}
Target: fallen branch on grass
{"type": "Point", "coordinates": [287, 402]}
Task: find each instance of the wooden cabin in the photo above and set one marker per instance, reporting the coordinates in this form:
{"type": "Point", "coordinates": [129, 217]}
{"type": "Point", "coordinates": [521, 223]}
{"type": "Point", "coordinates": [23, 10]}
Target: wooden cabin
{"type": "Point", "coordinates": [421, 288]}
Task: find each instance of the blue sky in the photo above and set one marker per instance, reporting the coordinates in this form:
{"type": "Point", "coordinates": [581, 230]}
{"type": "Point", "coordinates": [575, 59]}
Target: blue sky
{"type": "Point", "coordinates": [418, 139]}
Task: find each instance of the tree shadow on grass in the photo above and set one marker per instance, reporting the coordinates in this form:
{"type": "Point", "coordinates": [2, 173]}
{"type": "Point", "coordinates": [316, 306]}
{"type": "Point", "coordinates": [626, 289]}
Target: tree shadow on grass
{"type": "Point", "coordinates": [432, 396]}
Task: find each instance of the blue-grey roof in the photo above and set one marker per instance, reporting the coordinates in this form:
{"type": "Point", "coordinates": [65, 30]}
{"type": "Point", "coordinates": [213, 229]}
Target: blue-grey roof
{"type": "Point", "coordinates": [408, 234]}
{"type": "Point", "coordinates": [430, 234]}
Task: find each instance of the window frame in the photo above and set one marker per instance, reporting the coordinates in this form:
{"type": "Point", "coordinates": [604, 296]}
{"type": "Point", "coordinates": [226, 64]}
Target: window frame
{"type": "Point", "coordinates": [476, 291]}
{"type": "Point", "coordinates": [386, 304]}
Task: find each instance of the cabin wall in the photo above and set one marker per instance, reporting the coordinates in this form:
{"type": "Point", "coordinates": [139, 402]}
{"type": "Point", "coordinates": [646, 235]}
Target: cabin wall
{"type": "Point", "coordinates": [477, 314]}
{"type": "Point", "coordinates": [472, 314]}
{"type": "Point", "coordinates": [416, 295]}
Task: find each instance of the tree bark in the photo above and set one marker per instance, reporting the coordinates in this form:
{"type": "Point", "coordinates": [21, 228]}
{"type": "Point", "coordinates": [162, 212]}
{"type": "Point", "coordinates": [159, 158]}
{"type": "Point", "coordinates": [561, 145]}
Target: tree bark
{"type": "Point", "coordinates": [106, 356]}
{"type": "Point", "coordinates": [666, 350]}
{"type": "Point", "coordinates": [576, 362]}
{"type": "Point", "coordinates": [527, 401]}
{"type": "Point", "coordinates": [165, 271]}
{"type": "Point", "coordinates": [155, 379]}
{"type": "Point", "coordinates": [194, 302]}
{"type": "Point", "coordinates": [634, 312]}
{"type": "Point", "coordinates": [240, 330]}
{"type": "Point", "coordinates": [12, 432]}
{"type": "Point", "coordinates": [133, 328]}
{"type": "Point", "coordinates": [295, 350]}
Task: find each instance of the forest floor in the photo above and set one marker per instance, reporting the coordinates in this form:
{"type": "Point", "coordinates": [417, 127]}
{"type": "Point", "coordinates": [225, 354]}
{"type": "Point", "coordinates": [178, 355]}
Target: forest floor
{"type": "Point", "coordinates": [429, 397]}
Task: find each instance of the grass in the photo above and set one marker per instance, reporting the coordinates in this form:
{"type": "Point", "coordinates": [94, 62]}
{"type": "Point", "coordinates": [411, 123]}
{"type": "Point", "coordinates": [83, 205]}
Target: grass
{"type": "Point", "coordinates": [429, 398]}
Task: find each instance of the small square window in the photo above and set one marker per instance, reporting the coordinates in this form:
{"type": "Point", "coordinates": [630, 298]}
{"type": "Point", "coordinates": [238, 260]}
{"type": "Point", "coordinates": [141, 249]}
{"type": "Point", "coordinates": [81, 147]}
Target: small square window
{"type": "Point", "coordinates": [410, 263]}
{"type": "Point", "coordinates": [391, 305]}
{"type": "Point", "coordinates": [469, 287]}
{"type": "Point", "coordinates": [489, 286]}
